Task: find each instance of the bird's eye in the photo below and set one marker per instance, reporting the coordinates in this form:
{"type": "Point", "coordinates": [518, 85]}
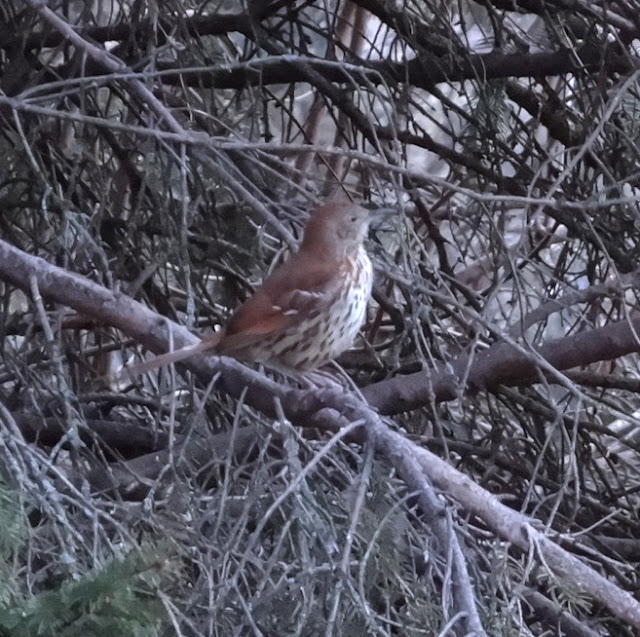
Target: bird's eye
{"type": "Point", "coordinates": [354, 218]}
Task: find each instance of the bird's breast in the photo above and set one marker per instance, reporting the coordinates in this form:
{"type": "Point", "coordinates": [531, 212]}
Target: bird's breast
{"type": "Point", "coordinates": [332, 329]}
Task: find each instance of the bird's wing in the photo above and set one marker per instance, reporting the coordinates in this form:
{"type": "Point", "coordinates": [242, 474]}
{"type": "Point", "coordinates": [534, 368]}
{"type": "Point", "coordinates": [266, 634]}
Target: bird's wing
{"type": "Point", "coordinates": [293, 293]}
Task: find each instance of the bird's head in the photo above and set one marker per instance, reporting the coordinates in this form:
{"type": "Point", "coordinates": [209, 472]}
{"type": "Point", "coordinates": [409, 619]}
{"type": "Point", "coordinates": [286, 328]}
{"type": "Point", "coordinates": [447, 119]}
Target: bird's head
{"type": "Point", "coordinates": [336, 231]}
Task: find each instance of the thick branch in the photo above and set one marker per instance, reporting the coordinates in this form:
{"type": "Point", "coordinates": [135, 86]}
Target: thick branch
{"type": "Point", "coordinates": [424, 71]}
{"type": "Point", "coordinates": [326, 409]}
{"type": "Point", "coordinates": [421, 72]}
{"type": "Point", "coordinates": [516, 528]}
{"type": "Point", "coordinates": [503, 364]}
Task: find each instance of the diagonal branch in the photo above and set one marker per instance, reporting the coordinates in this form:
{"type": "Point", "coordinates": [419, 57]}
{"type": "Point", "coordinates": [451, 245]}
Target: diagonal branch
{"type": "Point", "coordinates": [325, 409]}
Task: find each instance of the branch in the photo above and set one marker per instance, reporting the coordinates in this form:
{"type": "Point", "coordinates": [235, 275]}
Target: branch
{"type": "Point", "coordinates": [215, 24]}
{"type": "Point", "coordinates": [112, 64]}
{"type": "Point", "coordinates": [510, 525]}
{"type": "Point", "coordinates": [422, 72]}
{"type": "Point", "coordinates": [588, 10]}
{"type": "Point", "coordinates": [326, 409]}
{"type": "Point", "coordinates": [503, 364]}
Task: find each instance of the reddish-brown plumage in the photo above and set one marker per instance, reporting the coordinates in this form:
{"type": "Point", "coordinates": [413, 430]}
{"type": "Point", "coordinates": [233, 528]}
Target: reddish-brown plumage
{"type": "Point", "coordinates": [310, 308]}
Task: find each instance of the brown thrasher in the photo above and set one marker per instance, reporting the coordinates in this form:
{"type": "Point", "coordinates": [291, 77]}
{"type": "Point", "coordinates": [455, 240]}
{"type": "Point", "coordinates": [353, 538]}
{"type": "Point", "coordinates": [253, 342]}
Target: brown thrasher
{"type": "Point", "coordinates": [309, 309]}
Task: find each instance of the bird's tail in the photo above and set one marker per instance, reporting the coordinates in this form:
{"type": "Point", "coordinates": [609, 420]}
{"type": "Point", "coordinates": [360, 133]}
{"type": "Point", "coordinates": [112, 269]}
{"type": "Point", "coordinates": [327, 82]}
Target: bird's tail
{"type": "Point", "coordinates": [208, 345]}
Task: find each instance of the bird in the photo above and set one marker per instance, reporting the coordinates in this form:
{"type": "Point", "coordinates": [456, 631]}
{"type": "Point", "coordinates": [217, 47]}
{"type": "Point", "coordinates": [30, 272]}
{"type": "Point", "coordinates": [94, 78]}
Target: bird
{"type": "Point", "coordinates": [309, 309]}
